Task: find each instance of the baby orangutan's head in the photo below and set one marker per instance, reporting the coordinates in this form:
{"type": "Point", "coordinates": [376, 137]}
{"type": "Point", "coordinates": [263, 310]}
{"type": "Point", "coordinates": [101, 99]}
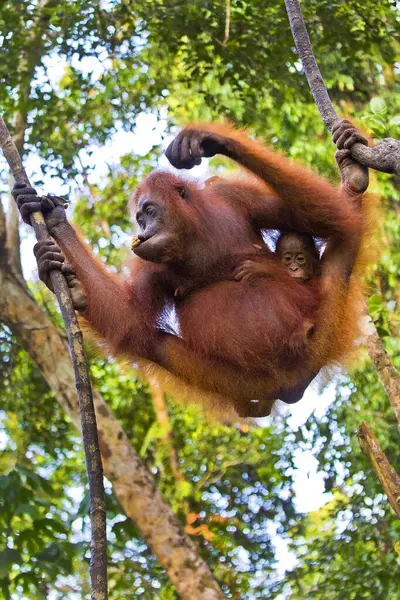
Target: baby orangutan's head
{"type": "Point", "coordinates": [298, 254]}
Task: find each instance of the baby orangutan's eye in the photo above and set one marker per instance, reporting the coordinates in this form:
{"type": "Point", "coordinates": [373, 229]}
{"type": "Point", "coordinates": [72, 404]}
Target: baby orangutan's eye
{"type": "Point", "coordinates": [182, 192]}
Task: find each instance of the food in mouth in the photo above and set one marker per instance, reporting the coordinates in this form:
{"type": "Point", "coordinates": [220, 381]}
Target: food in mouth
{"type": "Point", "coordinates": [135, 242]}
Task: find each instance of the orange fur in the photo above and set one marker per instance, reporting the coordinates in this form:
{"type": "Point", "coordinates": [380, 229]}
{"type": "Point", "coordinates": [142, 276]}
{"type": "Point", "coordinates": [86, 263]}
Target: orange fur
{"type": "Point", "coordinates": [237, 341]}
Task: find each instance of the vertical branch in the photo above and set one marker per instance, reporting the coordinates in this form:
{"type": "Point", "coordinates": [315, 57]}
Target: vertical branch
{"type": "Point", "coordinates": [385, 472]}
{"type": "Point", "coordinates": [13, 239]}
{"type": "Point", "coordinates": [98, 562]}
{"type": "Point", "coordinates": [311, 69]}
{"type": "Point", "coordinates": [30, 57]}
{"type": "Point", "coordinates": [161, 411]}
{"type": "Point", "coordinates": [388, 375]}
{"type": "Point", "coordinates": [20, 125]}
{"type": "Point", "coordinates": [227, 23]}
{"type": "Point", "coordinates": [3, 235]}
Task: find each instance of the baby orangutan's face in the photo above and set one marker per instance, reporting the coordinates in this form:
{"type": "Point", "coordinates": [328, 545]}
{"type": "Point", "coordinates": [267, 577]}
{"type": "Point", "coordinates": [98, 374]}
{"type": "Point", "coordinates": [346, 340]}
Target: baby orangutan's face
{"type": "Point", "coordinates": [298, 256]}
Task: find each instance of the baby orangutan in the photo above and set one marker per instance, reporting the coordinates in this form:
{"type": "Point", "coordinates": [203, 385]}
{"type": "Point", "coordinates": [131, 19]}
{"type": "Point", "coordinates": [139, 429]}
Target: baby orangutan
{"type": "Point", "coordinates": [296, 251]}
{"type": "Point", "coordinates": [298, 254]}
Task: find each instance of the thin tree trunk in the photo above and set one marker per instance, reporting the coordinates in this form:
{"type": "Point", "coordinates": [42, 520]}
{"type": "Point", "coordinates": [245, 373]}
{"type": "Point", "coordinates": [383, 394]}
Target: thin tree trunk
{"type": "Point", "coordinates": [3, 238]}
{"type": "Point", "coordinates": [12, 149]}
{"type": "Point", "coordinates": [387, 373]}
{"type": "Point", "coordinates": [98, 559]}
{"type": "Point", "coordinates": [13, 239]}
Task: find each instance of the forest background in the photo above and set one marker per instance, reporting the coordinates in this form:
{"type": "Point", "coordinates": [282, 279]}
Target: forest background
{"type": "Point", "coordinates": [92, 92]}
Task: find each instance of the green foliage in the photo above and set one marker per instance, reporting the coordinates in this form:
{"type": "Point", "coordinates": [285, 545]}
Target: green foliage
{"type": "Point", "coordinates": [379, 116]}
{"type": "Point", "coordinates": [35, 540]}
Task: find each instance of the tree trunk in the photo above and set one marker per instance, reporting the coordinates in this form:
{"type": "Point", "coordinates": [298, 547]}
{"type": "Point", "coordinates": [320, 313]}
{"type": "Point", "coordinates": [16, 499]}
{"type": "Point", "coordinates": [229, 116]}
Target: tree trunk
{"type": "Point", "coordinates": [133, 485]}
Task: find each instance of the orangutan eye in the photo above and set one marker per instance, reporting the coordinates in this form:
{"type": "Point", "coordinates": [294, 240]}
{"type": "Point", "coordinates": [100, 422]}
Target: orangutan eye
{"type": "Point", "coordinates": [301, 259]}
{"type": "Point", "coordinates": [182, 192]}
{"type": "Point", "coordinates": [287, 258]}
{"type": "Point", "coordinates": [151, 211]}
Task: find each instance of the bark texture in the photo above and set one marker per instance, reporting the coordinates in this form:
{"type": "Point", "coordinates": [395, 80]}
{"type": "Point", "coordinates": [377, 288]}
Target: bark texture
{"type": "Point", "coordinates": [132, 483]}
{"type": "Point", "coordinates": [387, 373]}
{"type": "Point", "coordinates": [98, 557]}
{"type": "Point", "coordinates": [385, 472]}
{"type": "Point", "coordinates": [385, 156]}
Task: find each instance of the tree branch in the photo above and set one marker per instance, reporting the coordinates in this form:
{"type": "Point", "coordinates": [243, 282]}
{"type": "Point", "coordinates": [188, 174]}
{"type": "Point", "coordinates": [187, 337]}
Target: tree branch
{"type": "Point", "coordinates": [385, 472]}
{"type": "Point", "coordinates": [133, 486]}
{"type": "Point", "coordinates": [313, 74]}
{"type": "Point", "coordinates": [161, 411]}
{"type": "Point", "coordinates": [29, 58]}
{"type": "Point", "coordinates": [227, 23]}
{"type": "Point", "coordinates": [3, 236]}
{"type": "Point", "coordinates": [385, 156]}
{"type": "Point", "coordinates": [13, 239]}
{"type": "Point", "coordinates": [98, 562]}
{"type": "Point", "coordinates": [13, 150]}
{"type": "Point", "coordinates": [387, 373]}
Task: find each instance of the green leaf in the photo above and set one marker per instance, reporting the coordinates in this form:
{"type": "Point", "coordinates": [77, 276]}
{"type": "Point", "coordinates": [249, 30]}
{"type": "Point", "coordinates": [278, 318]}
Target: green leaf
{"type": "Point", "coordinates": [378, 106]}
{"type": "Point", "coordinates": [8, 557]}
{"type": "Point", "coordinates": [375, 305]}
{"type": "Point", "coordinates": [383, 332]}
{"type": "Point", "coordinates": [155, 432]}
{"type": "Point", "coordinates": [50, 554]}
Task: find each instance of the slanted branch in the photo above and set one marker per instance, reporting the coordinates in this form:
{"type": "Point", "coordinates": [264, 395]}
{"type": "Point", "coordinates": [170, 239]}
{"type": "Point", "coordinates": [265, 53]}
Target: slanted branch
{"type": "Point", "coordinates": [388, 374]}
{"type": "Point", "coordinates": [388, 477]}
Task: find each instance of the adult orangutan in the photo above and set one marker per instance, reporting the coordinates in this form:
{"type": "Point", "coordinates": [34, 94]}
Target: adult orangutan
{"type": "Point", "coordinates": [245, 341]}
